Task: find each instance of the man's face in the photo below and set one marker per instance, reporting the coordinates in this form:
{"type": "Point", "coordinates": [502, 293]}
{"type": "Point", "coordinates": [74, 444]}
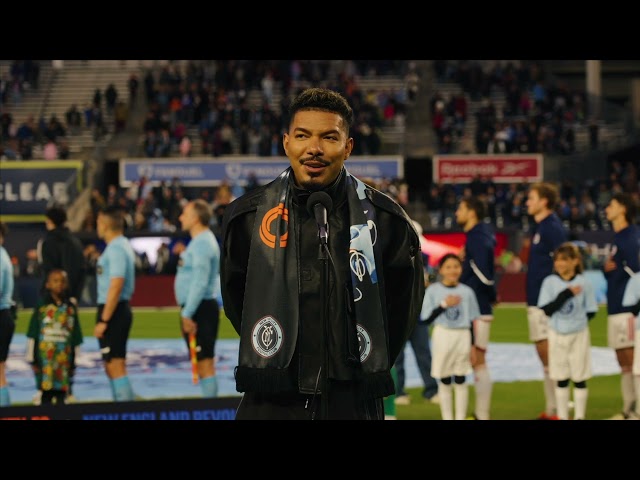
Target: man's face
{"type": "Point", "coordinates": [101, 223]}
{"type": "Point", "coordinates": [462, 214]}
{"type": "Point", "coordinates": [188, 217]}
{"type": "Point", "coordinates": [535, 204]}
{"type": "Point", "coordinates": [317, 147]}
{"type": "Point", "coordinates": [614, 210]}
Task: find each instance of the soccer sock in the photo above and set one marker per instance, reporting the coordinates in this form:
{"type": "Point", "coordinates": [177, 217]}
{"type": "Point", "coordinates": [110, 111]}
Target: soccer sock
{"type": "Point", "coordinates": [445, 392]}
{"type": "Point", "coordinates": [122, 389]}
{"type": "Point", "coordinates": [483, 388]}
{"type": "Point", "coordinates": [4, 397]}
{"type": "Point", "coordinates": [636, 382]}
{"type": "Point", "coordinates": [549, 393]}
{"type": "Point", "coordinates": [628, 394]}
{"type": "Point", "coordinates": [562, 397]}
{"type": "Point", "coordinates": [462, 400]}
{"type": "Point", "coordinates": [580, 403]}
{"type": "Point", "coordinates": [209, 386]}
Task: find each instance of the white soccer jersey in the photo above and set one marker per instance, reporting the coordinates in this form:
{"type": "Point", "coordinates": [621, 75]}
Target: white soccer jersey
{"type": "Point", "coordinates": [458, 316]}
{"type": "Point", "coordinates": [572, 316]}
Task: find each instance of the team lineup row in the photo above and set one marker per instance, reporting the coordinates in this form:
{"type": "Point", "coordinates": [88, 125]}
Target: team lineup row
{"type": "Point", "coordinates": [354, 263]}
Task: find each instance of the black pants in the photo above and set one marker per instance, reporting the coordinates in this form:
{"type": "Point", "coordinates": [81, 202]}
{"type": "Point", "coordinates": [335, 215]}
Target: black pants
{"type": "Point", "coordinates": [7, 329]}
{"type": "Point", "coordinates": [49, 395]}
{"type": "Point", "coordinates": [344, 404]}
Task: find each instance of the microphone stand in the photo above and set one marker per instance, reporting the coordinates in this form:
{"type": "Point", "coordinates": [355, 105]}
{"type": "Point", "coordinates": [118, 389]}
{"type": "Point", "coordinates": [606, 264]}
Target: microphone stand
{"type": "Point", "coordinates": [323, 256]}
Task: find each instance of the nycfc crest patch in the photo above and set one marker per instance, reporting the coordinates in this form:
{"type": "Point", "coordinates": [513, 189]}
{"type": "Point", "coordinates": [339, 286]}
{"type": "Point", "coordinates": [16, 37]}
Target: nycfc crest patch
{"type": "Point", "coordinates": [266, 337]}
{"type": "Point", "coordinates": [536, 239]}
{"type": "Point", "coordinates": [364, 343]}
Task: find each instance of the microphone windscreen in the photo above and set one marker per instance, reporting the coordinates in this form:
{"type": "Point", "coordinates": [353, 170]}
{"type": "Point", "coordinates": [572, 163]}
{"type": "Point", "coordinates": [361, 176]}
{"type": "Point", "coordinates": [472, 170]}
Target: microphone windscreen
{"type": "Point", "coordinates": [322, 198]}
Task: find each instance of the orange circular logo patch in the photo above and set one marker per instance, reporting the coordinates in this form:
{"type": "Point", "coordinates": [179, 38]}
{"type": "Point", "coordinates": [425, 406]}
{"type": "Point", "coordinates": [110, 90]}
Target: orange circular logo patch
{"type": "Point", "coordinates": [266, 236]}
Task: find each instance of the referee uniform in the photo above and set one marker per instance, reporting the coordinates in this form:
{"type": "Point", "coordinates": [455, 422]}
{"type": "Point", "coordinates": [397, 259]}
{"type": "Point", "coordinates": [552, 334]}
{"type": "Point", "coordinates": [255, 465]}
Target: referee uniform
{"type": "Point", "coordinates": [117, 260]}
{"type": "Point", "coordinates": [7, 323]}
{"type": "Point", "coordinates": [196, 287]}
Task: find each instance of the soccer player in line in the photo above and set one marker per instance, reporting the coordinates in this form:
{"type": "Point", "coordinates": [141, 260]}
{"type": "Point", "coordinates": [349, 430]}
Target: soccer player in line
{"type": "Point", "coordinates": [195, 290]}
{"type": "Point", "coordinates": [478, 257]}
{"type": "Point", "coordinates": [568, 299]}
{"type": "Point", "coordinates": [631, 300]}
{"type": "Point", "coordinates": [7, 320]}
{"type": "Point", "coordinates": [115, 275]}
{"type": "Point", "coordinates": [618, 269]}
{"type": "Point", "coordinates": [548, 234]}
{"type": "Point", "coordinates": [453, 307]}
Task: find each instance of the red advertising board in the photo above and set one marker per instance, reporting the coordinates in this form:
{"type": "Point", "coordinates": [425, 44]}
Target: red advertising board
{"type": "Point", "coordinates": [499, 168]}
{"type": "Point", "coordinates": [437, 245]}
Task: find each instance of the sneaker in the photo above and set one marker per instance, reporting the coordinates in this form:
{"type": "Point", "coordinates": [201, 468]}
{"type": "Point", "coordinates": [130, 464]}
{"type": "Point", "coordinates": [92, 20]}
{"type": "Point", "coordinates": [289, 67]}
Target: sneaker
{"type": "Point", "coordinates": [633, 416]}
{"type": "Point", "coordinates": [622, 416]}
{"type": "Point", "coordinates": [545, 416]}
{"type": "Point", "coordinates": [37, 398]}
{"type": "Point", "coordinates": [435, 399]}
{"type": "Point", "coordinates": [402, 400]}
{"type": "Point", "coordinates": [619, 416]}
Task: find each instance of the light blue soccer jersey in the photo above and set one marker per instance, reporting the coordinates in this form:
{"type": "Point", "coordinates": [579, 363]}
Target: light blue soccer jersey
{"type": "Point", "coordinates": [117, 261]}
{"type": "Point", "coordinates": [198, 271]}
{"type": "Point", "coordinates": [459, 316]}
{"type": "Point", "coordinates": [632, 295]}
{"type": "Point", "coordinates": [6, 279]}
{"type": "Point", "coordinates": [572, 316]}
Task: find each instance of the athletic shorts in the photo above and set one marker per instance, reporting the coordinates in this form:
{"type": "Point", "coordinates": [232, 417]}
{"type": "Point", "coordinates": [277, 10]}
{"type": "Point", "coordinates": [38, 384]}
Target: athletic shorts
{"type": "Point", "coordinates": [636, 353]}
{"type": "Point", "coordinates": [207, 317]}
{"type": "Point", "coordinates": [481, 330]}
{"type": "Point", "coordinates": [7, 327]}
{"type": "Point", "coordinates": [570, 355]}
{"type": "Point", "coordinates": [538, 324]}
{"type": "Point", "coordinates": [113, 343]}
{"type": "Point", "coordinates": [620, 330]}
{"type": "Point", "coordinates": [450, 350]}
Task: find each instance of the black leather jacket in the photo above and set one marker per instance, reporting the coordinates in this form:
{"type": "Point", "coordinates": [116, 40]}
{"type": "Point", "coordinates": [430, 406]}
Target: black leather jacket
{"type": "Point", "coordinates": [401, 277]}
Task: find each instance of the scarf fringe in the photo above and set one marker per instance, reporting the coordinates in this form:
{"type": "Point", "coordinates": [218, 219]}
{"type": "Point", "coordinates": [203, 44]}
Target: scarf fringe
{"type": "Point", "coordinates": [272, 380]}
{"type": "Point", "coordinates": [377, 385]}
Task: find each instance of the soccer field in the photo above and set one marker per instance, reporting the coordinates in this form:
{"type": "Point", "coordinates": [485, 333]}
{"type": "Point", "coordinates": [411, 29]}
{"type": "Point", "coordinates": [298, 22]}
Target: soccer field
{"type": "Point", "coordinates": [512, 400]}
{"type": "Point", "coordinates": [509, 325]}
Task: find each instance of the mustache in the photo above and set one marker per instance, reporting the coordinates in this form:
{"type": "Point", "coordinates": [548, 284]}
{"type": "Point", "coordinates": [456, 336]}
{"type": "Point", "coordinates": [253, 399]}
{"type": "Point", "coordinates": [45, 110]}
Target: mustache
{"type": "Point", "coordinates": [315, 159]}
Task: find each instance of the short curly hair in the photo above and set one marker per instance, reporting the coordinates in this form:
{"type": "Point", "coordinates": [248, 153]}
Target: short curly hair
{"type": "Point", "coordinates": [324, 100]}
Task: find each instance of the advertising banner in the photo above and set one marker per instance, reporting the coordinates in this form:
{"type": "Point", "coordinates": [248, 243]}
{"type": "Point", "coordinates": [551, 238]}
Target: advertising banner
{"type": "Point", "coordinates": [208, 171]}
{"type": "Point", "coordinates": [221, 408]}
{"type": "Point", "coordinates": [28, 188]}
{"type": "Point", "coordinates": [499, 168]}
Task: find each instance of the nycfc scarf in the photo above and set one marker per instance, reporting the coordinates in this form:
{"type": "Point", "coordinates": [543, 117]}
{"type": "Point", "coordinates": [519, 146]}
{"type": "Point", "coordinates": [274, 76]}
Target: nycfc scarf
{"type": "Point", "coordinates": [270, 312]}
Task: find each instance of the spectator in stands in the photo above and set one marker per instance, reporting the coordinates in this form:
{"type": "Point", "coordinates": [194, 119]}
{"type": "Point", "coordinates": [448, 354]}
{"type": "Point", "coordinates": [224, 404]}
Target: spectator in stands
{"type": "Point", "coordinates": [64, 151]}
{"type": "Point", "coordinates": [97, 98]}
{"type": "Point", "coordinates": [121, 115]}
{"type": "Point", "coordinates": [185, 146]}
{"type": "Point", "coordinates": [111, 97]}
{"type": "Point", "coordinates": [132, 84]}
{"type": "Point", "coordinates": [149, 87]}
{"type": "Point", "coordinates": [73, 118]}
{"type": "Point", "coordinates": [50, 150]}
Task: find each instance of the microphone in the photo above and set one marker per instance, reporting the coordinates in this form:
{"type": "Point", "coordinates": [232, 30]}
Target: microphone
{"type": "Point", "coordinates": [319, 205]}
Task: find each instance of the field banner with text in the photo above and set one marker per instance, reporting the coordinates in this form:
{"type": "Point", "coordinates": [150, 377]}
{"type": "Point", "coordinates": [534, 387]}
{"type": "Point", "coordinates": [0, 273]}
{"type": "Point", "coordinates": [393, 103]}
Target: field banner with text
{"type": "Point", "coordinates": [208, 171]}
{"type": "Point", "coordinates": [508, 168]}
{"type": "Point", "coordinates": [27, 189]}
